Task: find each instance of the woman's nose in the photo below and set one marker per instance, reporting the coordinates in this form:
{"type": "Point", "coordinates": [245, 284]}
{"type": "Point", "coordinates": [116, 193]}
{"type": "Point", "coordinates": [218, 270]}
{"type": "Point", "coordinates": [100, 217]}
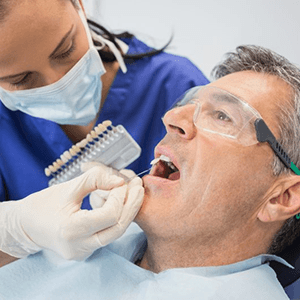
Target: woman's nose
{"type": "Point", "coordinates": [52, 75]}
{"type": "Point", "coordinates": [180, 120]}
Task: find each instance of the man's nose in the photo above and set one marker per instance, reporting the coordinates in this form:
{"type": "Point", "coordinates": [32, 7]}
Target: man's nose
{"type": "Point", "coordinates": [180, 120]}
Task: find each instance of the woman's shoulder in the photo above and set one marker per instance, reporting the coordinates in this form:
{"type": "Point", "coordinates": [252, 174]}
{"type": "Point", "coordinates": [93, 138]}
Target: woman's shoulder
{"type": "Point", "coordinates": [6, 116]}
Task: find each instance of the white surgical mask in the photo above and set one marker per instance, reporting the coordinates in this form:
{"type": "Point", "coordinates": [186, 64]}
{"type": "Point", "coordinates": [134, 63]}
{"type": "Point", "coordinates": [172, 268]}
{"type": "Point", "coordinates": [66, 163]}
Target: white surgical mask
{"type": "Point", "coordinates": [74, 99]}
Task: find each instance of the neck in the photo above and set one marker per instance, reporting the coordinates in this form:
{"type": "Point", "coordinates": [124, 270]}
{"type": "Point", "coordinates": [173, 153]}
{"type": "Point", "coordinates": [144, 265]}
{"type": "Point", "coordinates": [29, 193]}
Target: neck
{"type": "Point", "coordinates": [239, 245]}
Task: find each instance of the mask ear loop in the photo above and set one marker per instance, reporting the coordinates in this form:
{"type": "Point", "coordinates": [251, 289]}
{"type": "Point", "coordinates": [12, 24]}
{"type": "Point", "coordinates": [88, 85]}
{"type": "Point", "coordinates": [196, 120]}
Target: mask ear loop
{"type": "Point", "coordinates": [264, 134]}
{"type": "Point", "coordinates": [112, 47]}
{"type": "Point", "coordinates": [92, 35]}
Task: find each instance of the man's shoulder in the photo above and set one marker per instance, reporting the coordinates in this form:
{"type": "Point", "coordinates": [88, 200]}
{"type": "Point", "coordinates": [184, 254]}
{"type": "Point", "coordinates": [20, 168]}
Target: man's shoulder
{"type": "Point", "coordinates": [257, 283]}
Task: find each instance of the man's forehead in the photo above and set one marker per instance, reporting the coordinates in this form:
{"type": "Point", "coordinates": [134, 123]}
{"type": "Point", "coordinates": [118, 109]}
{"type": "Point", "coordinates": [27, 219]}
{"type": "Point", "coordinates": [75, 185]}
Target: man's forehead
{"type": "Point", "coordinates": [264, 92]}
{"type": "Point", "coordinates": [251, 87]}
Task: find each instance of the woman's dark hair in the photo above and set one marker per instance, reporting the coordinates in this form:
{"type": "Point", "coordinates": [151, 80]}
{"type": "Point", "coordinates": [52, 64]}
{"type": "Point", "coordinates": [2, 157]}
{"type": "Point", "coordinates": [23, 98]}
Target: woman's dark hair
{"type": "Point", "coordinates": [108, 56]}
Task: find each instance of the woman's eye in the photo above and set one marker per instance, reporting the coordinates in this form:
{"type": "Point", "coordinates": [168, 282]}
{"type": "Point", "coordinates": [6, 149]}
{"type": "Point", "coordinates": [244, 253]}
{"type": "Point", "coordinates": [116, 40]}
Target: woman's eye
{"type": "Point", "coordinates": [67, 53]}
{"type": "Point", "coordinates": [23, 82]}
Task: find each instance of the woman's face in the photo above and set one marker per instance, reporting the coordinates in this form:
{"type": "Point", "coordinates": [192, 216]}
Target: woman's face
{"type": "Point", "coordinates": [40, 42]}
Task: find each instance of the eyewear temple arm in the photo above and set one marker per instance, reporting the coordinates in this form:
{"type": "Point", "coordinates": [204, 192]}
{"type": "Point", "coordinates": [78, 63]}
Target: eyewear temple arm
{"type": "Point", "coordinates": [264, 134]}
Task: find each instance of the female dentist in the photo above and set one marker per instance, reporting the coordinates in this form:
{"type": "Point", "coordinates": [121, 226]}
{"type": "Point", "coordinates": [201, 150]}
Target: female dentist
{"type": "Point", "coordinates": [55, 87]}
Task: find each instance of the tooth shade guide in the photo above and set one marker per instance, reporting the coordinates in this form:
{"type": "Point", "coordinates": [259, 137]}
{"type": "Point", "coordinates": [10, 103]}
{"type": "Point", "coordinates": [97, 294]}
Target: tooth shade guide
{"type": "Point", "coordinates": [72, 152]}
{"type": "Point", "coordinates": [67, 155]}
{"type": "Point", "coordinates": [89, 138]}
{"type": "Point", "coordinates": [100, 128]}
{"type": "Point", "coordinates": [56, 165]}
{"type": "Point", "coordinates": [76, 148]}
{"type": "Point", "coordinates": [63, 158]}
{"type": "Point", "coordinates": [94, 134]}
{"type": "Point", "coordinates": [108, 144]}
{"type": "Point", "coordinates": [82, 143]}
{"type": "Point", "coordinates": [47, 172]}
{"type": "Point", "coordinates": [59, 162]}
{"type": "Point", "coordinates": [107, 123]}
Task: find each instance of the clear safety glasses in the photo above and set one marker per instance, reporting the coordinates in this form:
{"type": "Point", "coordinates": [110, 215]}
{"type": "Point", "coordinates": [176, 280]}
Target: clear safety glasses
{"type": "Point", "coordinates": [217, 111]}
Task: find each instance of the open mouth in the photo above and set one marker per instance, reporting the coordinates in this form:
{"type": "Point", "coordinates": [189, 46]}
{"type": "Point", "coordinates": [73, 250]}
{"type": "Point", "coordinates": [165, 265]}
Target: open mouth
{"type": "Point", "coordinates": [163, 167]}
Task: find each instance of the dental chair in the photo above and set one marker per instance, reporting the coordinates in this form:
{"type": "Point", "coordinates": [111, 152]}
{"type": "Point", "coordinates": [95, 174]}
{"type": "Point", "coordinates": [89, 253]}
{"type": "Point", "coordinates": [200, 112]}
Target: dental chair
{"type": "Point", "coordinates": [289, 278]}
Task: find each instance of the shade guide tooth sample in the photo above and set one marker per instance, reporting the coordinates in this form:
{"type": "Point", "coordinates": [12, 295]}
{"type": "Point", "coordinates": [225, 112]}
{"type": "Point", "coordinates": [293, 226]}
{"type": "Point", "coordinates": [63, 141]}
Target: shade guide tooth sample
{"type": "Point", "coordinates": [108, 144]}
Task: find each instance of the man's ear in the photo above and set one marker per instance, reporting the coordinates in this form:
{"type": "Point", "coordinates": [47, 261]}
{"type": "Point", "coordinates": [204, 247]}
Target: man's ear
{"type": "Point", "coordinates": [282, 201]}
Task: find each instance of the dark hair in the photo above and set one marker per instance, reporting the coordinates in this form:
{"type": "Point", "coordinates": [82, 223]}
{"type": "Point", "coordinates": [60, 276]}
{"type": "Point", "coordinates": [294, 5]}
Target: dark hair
{"type": "Point", "coordinates": [108, 56]}
{"type": "Point", "coordinates": [263, 60]}
{"type": "Point", "coordinates": [4, 9]}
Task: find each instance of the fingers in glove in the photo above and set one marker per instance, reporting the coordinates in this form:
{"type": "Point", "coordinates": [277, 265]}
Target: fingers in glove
{"type": "Point", "coordinates": [105, 169]}
{"type": "Point", "coordinates": [98, 198]}
{"type": "Point", "coordinates": [128, 173]}
{"type": "Point", "coordinates": [137, 181]}
{"type": "Point", "coordinates": [131, 208]}
{"type": "Point", "coordinates": [96, 220]}
{"type": "Point", "coordinates": [95, 179]}
{"type": "Point", "coordinates": [85, 166]}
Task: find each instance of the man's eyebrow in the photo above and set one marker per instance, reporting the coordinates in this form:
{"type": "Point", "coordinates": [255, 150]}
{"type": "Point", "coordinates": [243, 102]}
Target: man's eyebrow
{"type": "Point", "coordinates": [61, 42]}
{"type": "Point", "coordinates": [224, 98]}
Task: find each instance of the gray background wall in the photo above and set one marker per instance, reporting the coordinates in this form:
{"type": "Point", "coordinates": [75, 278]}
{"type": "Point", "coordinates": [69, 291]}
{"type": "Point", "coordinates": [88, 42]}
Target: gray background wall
{"type": "Point", "coordinates": [205, 30]}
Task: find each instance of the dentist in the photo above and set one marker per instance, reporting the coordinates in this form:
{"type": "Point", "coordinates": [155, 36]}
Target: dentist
{"type": "Point", "coordinates": [58, 79]}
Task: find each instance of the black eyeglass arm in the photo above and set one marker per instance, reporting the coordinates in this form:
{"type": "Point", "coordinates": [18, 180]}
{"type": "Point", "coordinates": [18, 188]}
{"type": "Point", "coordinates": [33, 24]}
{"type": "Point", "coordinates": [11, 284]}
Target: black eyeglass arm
{"type": "Point", "coordinates": [264, 134]}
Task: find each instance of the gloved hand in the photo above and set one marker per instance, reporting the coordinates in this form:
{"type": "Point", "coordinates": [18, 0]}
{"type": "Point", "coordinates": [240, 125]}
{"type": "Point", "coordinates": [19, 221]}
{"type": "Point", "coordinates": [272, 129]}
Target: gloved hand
{"type": "Point", "coordinates": [98, 197]}
{"type": "Point", "coordinates": [52, 218]}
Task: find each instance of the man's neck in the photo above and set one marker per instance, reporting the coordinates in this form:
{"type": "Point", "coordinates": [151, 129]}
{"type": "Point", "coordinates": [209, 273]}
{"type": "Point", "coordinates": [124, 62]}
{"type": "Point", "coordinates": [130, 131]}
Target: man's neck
{"type": "Point", "coordinates": [162, 255]}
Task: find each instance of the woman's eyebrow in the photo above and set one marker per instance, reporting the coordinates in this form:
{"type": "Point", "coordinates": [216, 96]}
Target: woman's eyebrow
{"type": "Point", "coordinates": [51, 55]}
{"type": "Point", "coordinates": [61, 42]}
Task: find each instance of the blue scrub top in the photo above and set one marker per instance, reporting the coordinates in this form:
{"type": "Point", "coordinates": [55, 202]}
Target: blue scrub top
{"type": "Point", "coordinates": [137, 100]}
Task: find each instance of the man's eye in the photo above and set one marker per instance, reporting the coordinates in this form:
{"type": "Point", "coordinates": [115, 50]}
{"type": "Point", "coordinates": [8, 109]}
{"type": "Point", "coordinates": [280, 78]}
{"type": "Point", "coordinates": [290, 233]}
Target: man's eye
{"type": "Point", "coordinates": [220, 115]}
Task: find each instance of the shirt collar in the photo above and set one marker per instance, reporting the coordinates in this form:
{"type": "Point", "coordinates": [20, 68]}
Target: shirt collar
{"type": "Point", "coordinates": [132, 246]}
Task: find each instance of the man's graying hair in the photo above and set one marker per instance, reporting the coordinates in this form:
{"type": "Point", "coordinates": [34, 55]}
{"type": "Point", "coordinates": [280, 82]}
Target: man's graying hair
{"type": "Point", "coordinates": [262, 60]}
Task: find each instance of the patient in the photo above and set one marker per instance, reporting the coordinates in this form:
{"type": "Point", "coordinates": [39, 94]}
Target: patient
{"type": "Point", "coordinates": [212, 223]}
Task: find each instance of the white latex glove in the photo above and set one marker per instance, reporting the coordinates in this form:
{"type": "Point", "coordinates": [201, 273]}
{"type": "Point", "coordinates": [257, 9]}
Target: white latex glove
{"type": "Point", "coordinates": [52, 218]}
{"type": "Point", "coordinates": [98, 197]}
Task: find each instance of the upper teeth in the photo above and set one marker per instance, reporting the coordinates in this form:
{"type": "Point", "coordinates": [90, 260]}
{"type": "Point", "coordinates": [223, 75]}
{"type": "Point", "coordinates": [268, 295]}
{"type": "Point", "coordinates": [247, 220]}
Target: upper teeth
{"type": "Point", "coordinates": [162, 157]}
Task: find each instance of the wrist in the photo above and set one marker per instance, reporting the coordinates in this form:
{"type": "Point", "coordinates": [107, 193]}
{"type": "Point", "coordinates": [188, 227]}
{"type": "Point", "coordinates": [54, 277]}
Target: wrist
{"type": "Point", "coordinates": [13, 239]}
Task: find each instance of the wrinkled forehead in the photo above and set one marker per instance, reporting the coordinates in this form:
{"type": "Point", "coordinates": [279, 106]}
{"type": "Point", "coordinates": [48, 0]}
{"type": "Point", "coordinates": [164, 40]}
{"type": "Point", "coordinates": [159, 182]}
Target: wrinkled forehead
{"type": "Point", "coordinates": [216, 96]}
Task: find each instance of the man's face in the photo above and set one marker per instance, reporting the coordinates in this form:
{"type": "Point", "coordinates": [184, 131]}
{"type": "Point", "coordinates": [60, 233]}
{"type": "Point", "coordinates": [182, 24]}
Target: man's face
{"type": "Point", "coordinates": [222, 184]}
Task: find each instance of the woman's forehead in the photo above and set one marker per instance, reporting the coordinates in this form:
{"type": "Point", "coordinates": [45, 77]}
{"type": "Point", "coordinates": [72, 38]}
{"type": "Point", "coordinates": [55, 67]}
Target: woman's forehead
{"type": "Point", "coordinates": [30, 29]}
